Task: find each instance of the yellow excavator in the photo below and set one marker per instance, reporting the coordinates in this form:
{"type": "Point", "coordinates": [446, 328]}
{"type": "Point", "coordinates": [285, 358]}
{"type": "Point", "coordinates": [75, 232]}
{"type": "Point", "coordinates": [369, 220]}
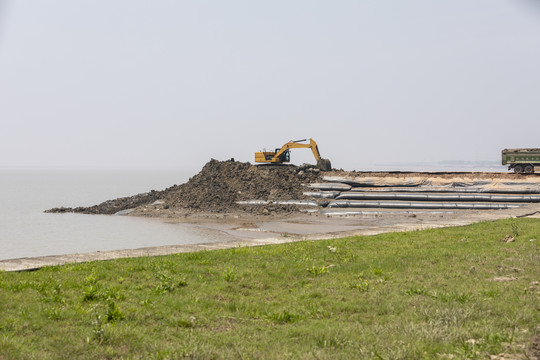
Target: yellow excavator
{"type": "Point", "coordinates": [282, 155]}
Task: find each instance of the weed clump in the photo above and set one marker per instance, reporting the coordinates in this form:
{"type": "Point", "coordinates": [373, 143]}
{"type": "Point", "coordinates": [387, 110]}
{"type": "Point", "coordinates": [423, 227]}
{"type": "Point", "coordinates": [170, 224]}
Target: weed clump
{"type": "Point", "coordinates": [282, 317]}
{"type": "Point", "coordinates": [167, 283]}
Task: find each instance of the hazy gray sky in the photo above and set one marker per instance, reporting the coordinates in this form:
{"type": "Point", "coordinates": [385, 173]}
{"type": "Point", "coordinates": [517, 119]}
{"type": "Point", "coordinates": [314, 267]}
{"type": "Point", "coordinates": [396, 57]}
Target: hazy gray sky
{"type": "Point", "coordinates": [138, 83]}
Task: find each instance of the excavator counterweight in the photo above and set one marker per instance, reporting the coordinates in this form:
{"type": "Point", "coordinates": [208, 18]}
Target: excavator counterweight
{"type": "Point", "coordinates": [282, 155]}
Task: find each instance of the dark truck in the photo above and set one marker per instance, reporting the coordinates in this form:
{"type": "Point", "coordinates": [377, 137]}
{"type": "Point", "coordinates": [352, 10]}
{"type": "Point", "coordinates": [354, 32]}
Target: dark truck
{"type": "Point", "coordinates": [523, 161]}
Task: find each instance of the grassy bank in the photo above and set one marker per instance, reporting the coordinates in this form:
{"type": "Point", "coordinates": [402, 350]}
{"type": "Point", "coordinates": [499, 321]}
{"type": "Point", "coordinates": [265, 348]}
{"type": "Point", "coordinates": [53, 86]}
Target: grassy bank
{"type": "Point", "coordinates": [446, 293]}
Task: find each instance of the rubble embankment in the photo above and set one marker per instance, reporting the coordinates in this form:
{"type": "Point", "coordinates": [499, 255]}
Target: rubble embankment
{"type": "Point", "coordinates": [217, 188]}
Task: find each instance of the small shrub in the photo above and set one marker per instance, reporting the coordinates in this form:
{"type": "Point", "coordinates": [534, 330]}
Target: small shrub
{"type": "Point", "coordinates": [282, 317]}
{"type": "Point", "coordinates": [52, 313]}
{"type": "Point", "coordinates": [98, 329]}
{"type": "Point", "coordinates": [167, 283]}
{"type": "Point", "coordinates": [51, 291]}
{"type": "Point", "coordinates": [451, 296]}
{"type": "Point", "coordinates": [317, 270]}
{"type": "Point", "coordinates": [514, 227]}
{"type": "Point", "coordinates": [335, 342]}
{"type": "Point", "coordinates": [20, 285]}
{"type": "Point", "coordinates": [113, 311]}
{"type": "Point", "coordinates": [416, 291]}
{"type": "Point", "coordinates": [491, 293]}
{"type": "Point", "coordinates": [146, 302]}
{"type": "Point", "coordinates": [90, 293]}
{"type": "Point", "coordinates": [91, 290]}
{"type": "Point", "coordinates": [361, 284]}
{"type": "Point", "coordinates": [186, 323]}
{"type": "Point", "coordinates": [229, 274]}
{"type": "Point", "coordinates": [90, 279]}
{"type": "Point", "coordinates": [500, 338]}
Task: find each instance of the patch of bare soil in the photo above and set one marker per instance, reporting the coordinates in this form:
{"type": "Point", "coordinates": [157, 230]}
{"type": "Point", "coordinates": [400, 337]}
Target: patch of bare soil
{"type": "Point", "coordinates": [217, 188]}
{"type": "Point", "coordinates": [534, 348]}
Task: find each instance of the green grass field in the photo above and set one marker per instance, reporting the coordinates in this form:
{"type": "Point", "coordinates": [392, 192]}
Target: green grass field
{"type": "Point", "coordinates": [453, 293]}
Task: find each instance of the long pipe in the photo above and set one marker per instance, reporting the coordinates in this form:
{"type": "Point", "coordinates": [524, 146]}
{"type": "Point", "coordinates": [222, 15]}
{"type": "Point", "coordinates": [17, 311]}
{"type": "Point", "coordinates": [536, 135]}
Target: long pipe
{"type": "Point", "coordinates": [436, 197]}
{"type": "Point", "coordinates": [450, 189]}
{"type": "Point", "coordinates": [418, 205]}
{"type": "Point", "coordinates": [330, 186]}
{"type": "Point", "coordinates": [345, 212]}
{"type": "Point", "coordinates": [280, 202]}
{"type": "Point", "coordinates": [322, 194]}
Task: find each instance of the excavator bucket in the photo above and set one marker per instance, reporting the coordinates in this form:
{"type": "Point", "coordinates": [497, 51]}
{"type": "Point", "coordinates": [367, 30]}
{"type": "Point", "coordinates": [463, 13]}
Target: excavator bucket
{"type": "Point", "coordinates": [324, 164]}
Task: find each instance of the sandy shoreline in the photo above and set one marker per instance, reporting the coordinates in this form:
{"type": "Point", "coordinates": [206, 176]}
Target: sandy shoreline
{"type": "Point", "coordinates": [257, 230]}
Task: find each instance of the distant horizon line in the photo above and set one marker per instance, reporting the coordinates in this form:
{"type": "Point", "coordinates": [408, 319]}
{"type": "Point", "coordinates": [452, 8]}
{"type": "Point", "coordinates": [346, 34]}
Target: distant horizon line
{"type": "Point", "coordinates": [177, 168]}
{"type": "Point", "coordinates": [445, 162]}
{"type": "Point", "coordinates": [42, 167]}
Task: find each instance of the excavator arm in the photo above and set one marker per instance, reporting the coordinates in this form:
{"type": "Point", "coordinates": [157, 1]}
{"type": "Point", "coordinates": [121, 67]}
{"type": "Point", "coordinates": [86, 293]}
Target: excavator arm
{"type": "Point", "coordinates": [297, 144]}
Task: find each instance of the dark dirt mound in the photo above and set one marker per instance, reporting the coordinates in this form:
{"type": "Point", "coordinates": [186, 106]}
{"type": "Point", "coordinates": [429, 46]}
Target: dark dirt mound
{"type": "Point", "coordinates": [217, 187]}
{"type": "Point", "coordinates": [220, 184]}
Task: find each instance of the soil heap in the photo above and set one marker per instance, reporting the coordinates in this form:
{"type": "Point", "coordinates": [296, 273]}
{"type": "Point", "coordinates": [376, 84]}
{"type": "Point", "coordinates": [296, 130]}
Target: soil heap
{"type": "Point", "coordinates": [217, 188]}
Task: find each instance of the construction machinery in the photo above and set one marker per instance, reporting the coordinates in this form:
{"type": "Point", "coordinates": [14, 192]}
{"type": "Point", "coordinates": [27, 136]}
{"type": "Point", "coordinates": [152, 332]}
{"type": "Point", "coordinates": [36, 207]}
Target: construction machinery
{"type": "Point", "coordinates": [282, 155]}
{"type": "Point", "coordinates": [523, 161]}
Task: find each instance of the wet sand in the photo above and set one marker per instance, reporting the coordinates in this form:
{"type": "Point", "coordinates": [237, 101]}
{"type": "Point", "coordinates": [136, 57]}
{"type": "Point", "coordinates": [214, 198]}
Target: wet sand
{"type": "Point", "coordinates": [257, 230]}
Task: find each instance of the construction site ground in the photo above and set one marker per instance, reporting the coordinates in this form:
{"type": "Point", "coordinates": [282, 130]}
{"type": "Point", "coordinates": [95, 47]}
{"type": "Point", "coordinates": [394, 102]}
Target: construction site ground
{"type": "Point", "coordinates": [211, 201]}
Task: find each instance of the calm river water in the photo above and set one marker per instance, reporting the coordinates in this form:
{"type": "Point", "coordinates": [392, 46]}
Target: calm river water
{"type": "Point", "coordinates": [26, 231]}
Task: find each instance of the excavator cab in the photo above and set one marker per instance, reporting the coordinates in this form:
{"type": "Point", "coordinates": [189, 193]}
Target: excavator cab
{"type": "Point", "coordinates": [285, 156]}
